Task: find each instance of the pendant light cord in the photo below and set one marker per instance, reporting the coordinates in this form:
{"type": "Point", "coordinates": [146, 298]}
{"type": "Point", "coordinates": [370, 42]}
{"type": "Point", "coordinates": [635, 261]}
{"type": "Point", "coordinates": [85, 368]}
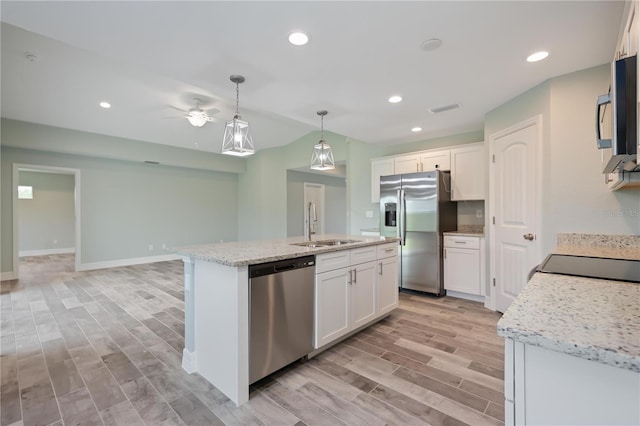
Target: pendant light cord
{"type": "Point", "coordinates": [237, 100]}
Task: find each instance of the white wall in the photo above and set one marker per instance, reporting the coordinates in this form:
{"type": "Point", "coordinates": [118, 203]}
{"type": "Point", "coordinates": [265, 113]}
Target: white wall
{"type": "Point", "coordinates": [47, 221]}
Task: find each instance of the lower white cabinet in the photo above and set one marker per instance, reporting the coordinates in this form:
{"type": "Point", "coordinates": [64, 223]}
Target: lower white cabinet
{"type": "Point", "coordinates": [463, 264]}
{"type": "Point", "coordinates": [348, 298]}
{"type": "Point", "coordinates": [545, 387]}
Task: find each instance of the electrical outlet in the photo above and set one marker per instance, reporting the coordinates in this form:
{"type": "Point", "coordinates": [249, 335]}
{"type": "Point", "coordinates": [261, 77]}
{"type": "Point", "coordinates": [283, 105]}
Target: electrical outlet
{"type": "Point", "coordinates": [55, 242]}
{"type": "Point", "coordinates": [369, 213]}
{"type": "Point", "coordinates": [479, 213]}
{"type": "Point", "coordinates": [164, 246]}
{"type": "Point", "coordinates": [150, 247]}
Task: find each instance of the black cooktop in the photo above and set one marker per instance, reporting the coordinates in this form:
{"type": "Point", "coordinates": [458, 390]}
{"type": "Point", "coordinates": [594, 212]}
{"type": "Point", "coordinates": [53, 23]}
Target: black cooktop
{"type": "Point", "coordinates": [592, 267]}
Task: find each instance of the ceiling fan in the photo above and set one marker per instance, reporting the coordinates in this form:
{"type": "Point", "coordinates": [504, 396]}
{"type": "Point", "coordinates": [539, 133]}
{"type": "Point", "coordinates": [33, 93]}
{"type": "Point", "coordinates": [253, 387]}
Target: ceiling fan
{"type": "Point", "coordinates": [196, 116]}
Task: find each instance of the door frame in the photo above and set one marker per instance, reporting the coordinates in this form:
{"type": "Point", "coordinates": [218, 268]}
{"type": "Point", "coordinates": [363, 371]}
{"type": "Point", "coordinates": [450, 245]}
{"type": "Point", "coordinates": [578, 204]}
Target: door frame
{"type": "Point", "coordinates": [533, 121]}
{"type": "Point", "coordinates": [76, 207]}
{"type": "Point", "coordinates": [319, 211]}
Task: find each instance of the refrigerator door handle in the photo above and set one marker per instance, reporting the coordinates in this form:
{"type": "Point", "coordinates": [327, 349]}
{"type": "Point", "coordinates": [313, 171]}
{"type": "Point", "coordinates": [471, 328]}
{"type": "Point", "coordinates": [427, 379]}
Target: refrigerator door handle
{"type": "Point", "coordinates": [403, 217]}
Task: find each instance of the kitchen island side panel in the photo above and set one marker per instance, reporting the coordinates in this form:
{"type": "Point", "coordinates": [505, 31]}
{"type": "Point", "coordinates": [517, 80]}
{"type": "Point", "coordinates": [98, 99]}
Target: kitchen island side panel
{"type": "Point", "coordinates": [222, 327]}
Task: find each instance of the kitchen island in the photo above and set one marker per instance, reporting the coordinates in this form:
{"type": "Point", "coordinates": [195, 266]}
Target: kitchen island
{"type": "Point", "coordinates": [217, 302]}
{"type": "Point", "coordinates": [572, 344]}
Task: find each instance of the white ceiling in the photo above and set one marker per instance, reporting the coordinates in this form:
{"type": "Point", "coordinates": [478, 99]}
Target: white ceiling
{"type": "Point", "coordinates": [146, 57]}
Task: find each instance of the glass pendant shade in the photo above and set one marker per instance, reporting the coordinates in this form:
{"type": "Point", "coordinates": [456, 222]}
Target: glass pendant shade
{"type": "Point", "coordinates": [322, 157]}
{"type": "Point", "coordinates": [237, 139]}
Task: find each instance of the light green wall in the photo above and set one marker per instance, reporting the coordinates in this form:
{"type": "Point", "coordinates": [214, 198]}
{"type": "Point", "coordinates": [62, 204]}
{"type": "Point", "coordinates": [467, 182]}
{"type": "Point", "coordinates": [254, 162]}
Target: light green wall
{"type": "Point", "coordinates": [434, 143]}
{"type": "Point", "coordinates": [47, 221]}
{"type": "Point", "coordinates": [128, 205]}
{"type": "Point", "coordinates": [262, 197]}
{"type": "Point", "coordinates": [20, 134]}
{"type": "Point", "coordinates": [574, 196]}
{"type": "Point", "coordinates": [335, 194]}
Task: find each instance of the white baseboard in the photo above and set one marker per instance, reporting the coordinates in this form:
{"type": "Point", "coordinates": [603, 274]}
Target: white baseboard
{"type": "Point", "coordinates": [127, 262]}
{"type": "Point", "coordinates": [10, 275]}
{"type": "Point", "coordinates": [466, 296]}
{"type": "Point", "coordinates": [189, 361]}
{"type": "Point", "coordinates": [46, 252]}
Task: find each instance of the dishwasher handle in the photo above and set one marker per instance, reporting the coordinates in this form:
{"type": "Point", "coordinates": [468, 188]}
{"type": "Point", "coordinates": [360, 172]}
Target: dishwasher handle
{"type": "Point", "coordinates": [282, 268]}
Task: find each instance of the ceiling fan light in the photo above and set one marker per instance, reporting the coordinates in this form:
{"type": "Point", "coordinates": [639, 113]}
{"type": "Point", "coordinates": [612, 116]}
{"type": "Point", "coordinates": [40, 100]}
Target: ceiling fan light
{"type": "Point", "coordinates": [237, 138]}
{"type": "Point", "coordinates": [197, 118]}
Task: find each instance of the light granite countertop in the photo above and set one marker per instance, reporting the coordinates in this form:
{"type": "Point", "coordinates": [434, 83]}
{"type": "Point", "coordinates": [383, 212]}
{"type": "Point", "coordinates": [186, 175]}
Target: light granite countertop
{"type": "Point", "coordinates": [464, 234]}
{"type": "Point", "coordinates": [594, 319]}
{"type": "Point", "coordinates": [241, 253]}
{"type": "Point", "coordinates": [590, 318]}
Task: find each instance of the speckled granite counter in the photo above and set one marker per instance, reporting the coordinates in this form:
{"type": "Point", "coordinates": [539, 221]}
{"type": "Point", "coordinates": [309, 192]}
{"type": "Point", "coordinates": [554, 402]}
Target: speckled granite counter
{"type": "Point", "coordinates": [242, 253]}
{"type": "Point", "coordinates": [598, 320]}
{"type": "Point", "coordinates": [467, 231]}
{"type": "Point", "coordinates": [594, 319]}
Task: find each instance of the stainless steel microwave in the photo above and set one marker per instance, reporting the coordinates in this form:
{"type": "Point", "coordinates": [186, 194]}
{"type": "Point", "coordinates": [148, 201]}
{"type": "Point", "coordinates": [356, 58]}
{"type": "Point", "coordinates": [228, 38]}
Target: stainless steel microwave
{"type": "Point", "coordinates": [622, 138]}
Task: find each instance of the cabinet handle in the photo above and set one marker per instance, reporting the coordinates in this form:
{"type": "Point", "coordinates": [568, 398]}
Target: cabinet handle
{"type": "Point", "coordinates": [350, 277]}
{"type": "Point", "coordinates": [445, 253]}
{"type": "Point", "coordinates": [389, 250]}
{"type": "Point", "coordinates": [380, 268]}
{"type": "Point", "coordinates": [355, 276]}
{"type": "Point", "coordinates": [460, 242]}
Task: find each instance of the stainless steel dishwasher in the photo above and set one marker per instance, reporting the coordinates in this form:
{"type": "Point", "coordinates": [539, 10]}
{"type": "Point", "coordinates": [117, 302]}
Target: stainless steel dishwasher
{"type": "Point", "coordinates": [281, 314]}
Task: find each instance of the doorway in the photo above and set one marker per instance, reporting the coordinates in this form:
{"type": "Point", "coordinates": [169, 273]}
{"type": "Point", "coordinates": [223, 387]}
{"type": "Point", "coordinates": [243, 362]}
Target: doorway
{"type": "Point", "coordinates": [515, 190]}
{"type": "Point", "coordinates": [57, 230]}
{"type": "Point", "coordinates": [314, 218]}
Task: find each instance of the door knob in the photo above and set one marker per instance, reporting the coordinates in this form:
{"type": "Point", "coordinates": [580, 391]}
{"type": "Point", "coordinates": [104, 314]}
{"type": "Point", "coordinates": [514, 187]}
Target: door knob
{"type": "Point", "coordinates": [529, 237]}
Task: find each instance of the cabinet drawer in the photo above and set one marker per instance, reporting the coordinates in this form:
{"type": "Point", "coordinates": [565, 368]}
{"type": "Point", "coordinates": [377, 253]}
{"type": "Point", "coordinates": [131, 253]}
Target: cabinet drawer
{"type": "Point", "coordinates": [387, 250]}
{"type": "Point", "coordinates": [362, 255]}
{"type": "Point", "coordinates": [462, 242]}
{"type": "Point", "coordinates": [334, 260]}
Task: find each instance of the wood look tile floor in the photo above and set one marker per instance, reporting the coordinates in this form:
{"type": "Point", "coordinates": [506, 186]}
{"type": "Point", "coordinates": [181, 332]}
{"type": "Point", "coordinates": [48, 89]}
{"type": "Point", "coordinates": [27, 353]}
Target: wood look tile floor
{"type": "Point", "coordinates": [104, 347]}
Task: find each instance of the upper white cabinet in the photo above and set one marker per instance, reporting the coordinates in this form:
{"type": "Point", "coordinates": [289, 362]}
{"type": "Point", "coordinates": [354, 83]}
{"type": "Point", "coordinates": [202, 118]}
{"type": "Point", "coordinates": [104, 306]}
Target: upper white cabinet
{"type": "Point", "coordinates": [406, 164]}
{"type": "Point", "coordinates": [467, 172]}
{"type": "Point", "coordinates": [628, 36]}
{"type": "Point", "coordinates": [379, 167]}
{"type": "Point", "coordinates": [440, 160]}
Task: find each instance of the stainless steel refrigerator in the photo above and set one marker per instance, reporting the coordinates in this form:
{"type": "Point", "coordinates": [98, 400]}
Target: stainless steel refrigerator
{"type": "Point", "coordinates": [417, 208]}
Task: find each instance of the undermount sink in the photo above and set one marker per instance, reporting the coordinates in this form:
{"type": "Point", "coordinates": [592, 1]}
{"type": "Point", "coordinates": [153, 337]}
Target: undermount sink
{"type": "Point", "coordinates": [324, 243]}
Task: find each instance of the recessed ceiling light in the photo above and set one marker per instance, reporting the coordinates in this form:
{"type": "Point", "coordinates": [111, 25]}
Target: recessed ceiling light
{"type": "Point", "coordinates": [416, 129]}
{"type": "Point", "coordinates": [395, 99]}
{"type": "Point", "coordinates": [298, 38]}
{"type": "Point", "coordinates": [538, 56]}
{"type": "Point", "coordinates": [431, 44]}
{"type": "Point", "coordinates": [105, 105]}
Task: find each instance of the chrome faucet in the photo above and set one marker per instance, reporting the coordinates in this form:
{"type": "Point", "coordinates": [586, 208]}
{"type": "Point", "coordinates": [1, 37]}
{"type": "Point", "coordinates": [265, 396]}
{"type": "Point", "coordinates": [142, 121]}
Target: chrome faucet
{"type": "Point", "coordinates": [313, 217]}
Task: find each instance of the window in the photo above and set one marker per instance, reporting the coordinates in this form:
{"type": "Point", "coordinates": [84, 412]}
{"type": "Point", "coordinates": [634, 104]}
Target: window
{"type": "Point", "coordinates": [25, 192]}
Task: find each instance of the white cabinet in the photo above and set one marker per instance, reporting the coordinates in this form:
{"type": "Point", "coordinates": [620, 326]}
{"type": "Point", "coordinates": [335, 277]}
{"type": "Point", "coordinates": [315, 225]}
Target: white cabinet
{"type": "Point", "coordinates": [347, 298]}
{"type": "Point", "coordinates": [544, 387]}
{"type": "Point", "coordinates": [387, 282]}
{"type": "Point", "coordinates": [379, 167]}
{"type": "Point", "coordinates": [463, 265]}
{"type": "Point", "coordinates": [440, 160]}
{"type": "Point", "coordinates": [422, 162]}
{"type": "Point", "coordinates": [468, 172]}
{"type": "Point", "coordinates": [406, 164]}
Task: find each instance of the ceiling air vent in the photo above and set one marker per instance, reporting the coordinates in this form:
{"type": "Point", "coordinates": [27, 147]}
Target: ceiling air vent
{"type": "Point", "coordinates": [443, 108]}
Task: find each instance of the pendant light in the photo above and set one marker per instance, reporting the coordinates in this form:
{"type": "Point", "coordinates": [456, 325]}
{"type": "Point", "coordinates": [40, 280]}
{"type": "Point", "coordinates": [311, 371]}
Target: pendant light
{"type": "Point", "coordinates": [322, 157]}
{"type": "Point", "coordinates": [237, 139]}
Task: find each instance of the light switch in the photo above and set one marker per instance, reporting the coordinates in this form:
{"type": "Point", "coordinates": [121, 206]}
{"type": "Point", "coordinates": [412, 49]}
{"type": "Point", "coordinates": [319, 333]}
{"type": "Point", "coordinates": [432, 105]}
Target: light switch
{"type": "Point", "coordinates": [369, 213]}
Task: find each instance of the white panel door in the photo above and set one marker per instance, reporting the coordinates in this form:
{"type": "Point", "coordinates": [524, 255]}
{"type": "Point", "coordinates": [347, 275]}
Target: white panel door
{"type": "Point", "coordinates": [514, 181]}
{"type": "Point", "coordinates": [363, 294]}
